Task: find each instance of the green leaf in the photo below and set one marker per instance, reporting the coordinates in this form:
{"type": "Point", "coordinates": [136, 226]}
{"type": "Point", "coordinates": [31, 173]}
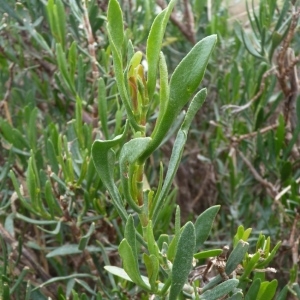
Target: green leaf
{"type": "Point", "coordinates": [151, 243]}
{"type": "Point", "coordinates": [184, 82]}
{"type": "Point", "coordinates": [296, 289]}
{"type": "Point", "coordinates": [130, 264]}
{"type": "Point", "coordinates": [115, 24]}
{"type": "Point", "coordinates": [237, 296]}
{"type": "Point", "coordinates": [32, 185]}
{"type": "Point", "coordinates": [72, 60]}
{"type": "Point", "coordinates": [282, 295]}
{"type": "Point", "coordinates": [172, 168]}
{"type": "Point", "coordinates": [70, 249]}
{"type": "Point", "coordinates": [4, 6]}
{"type": "Point", "coordinates": [246, 234]}
{"type": "Point", "coordinates": [62, 278]}
{"type": "Point", "coordinates": [102, 107]}
{"type": "Point", "coordinates": [183, 259]}
{"type": "Point", "coordinates": [154, 42]}
{"type": "Point", "coordinates": [63, 68]}
{"type": "Point", "coordinates": [85, 239]}
{"type": "Point", "coordinates": [173, 245]}
{"type": "Point", "coordinates": [60, 21]}
{"type": "Point", "coordinates": [55, 231]}
{"type": "Point", "coordinates": [253, 290]}
{"type": "Point", "coordinates": [121, 273]}
{"type": "Point", "coordinates": [270, 256]}
{"type": "Point", "coordinates": [20, 279]}
{"type": "Point", "coordinates": [129, 154]}
{"type": "Point", "coordinates": [13, 136]}
{"type": "Point", "coordinates": [236, 256]}
{"type": "Point", "coordinates": [116, 38]}
{"type": "Point", "coordinates": [267, 290]}
{"type": "Point", "coordinates": [220, 290]}
{"type": "Point", "coordinates": [250, 266]}
{"type": "Point", "coordinates": [130, 235]}
{"type": "Point", "coordinates": [164, 86]}
{"type": "Point", "coordinates": [204, 224]}
{"type": "Point", "coordinates": [152, 266]}
{"type": "Point", "coordinates": [104, 160]}
{"type": "Point", "coordinates": [32, 132]}
{"type": "Point", "coordinates": [208, 253]}
{"type": "Point", "coordinates": [176, 155]}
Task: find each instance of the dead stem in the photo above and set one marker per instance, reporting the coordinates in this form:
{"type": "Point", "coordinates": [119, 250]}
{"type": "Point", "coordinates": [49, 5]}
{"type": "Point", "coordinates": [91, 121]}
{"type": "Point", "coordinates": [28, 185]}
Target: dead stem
{"type": "Point", "coordinates": [271, 189]}
{"type": "Point", "coordinates": [285, 190]}
{"type": "Point", "coordinates": [27, 258]}
{"type": "Point", "coordinates": [237, 109]}
{"type": "Point", "coordinates": [238, 139]}
{"type": "Point", "coordinates": [3, 102]}
{"type": "Point", "coordinates": [294, 242]}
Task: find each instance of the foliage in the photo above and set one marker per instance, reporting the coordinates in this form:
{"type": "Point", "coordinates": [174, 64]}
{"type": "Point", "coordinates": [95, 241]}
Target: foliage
{"type": "Point", "coordinates": [85, 117]}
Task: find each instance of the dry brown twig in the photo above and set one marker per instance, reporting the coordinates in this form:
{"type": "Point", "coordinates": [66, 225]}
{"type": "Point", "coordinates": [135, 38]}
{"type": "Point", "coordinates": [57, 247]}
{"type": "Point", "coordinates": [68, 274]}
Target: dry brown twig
{"type": "Point", "coordinates": [271, 189]}
{"type": "Point", "coordinates": [294, 242]}
{"type": "Point", "coordinates": [237, 109]}
{"type": "Point", "coordinates": [3, 102]}
{"type": "Point", "coordinates": [28, 259]}
{"type": "Point", "coordinates": [238, 139]}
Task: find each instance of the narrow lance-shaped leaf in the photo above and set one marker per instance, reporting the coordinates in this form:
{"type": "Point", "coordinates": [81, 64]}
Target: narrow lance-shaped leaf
{"type": "Point", "coordinates": [130, 264]}
{"type": "Point", "coordinates": [184, 82]}
{"type": "Point", "coordinates": [253, 290]}
{"type": "Point", "coordinates": [183, 259]}
{"type": "Point", "coordinates": [164, 86]}
{"type": "Point", "coordinates": [152, 266]}
{"type": "Point", "coordinates": [220, 290]}
{"type": "Point", "coordinates": [267, 290]}
{"type": "Point", "coordinates": [177, 153]}
{"type": "Point", "coordinates": [130, 235]}
{"type": "Point", "coordinates": [154, 42]}
{"type": "Point", "coordinates": [236, 256]}
{"type": "Point", "coordinates": [204, 224]}
{"type": "Point", "coordinates": [60, 19]}
{"type": "Point", "coordinates": [104, 161]}
{"type": "Point", "coordinates": [116, 38]}
{"type": "Point", "coordinates": [151, 243]}
{"type": "Point", "coordinates": [102, 107]}
{"type": "Point", "coordinates": [173, 245]}
{"type": "Point", "coordinates": [85, 239]}
{"type": "Point", "coordinates": [63, 68]}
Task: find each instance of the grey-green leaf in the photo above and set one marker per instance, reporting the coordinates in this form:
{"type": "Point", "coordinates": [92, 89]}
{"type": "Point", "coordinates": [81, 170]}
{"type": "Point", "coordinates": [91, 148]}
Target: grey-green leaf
{"type": "Point", "coordinates": [130, 264]}
{"type": "Point", "coordinates": [220, 290]}
{"type": "Point", "coordinates": [204, 224]}
{"type": "Point", "coordinates": [184, 82]}
{"type": "Point", "coordinates": [154, 45]}
{"type": "Point", "coordinates": [183, 259]}
{"type": "Point", "coordinates": [236, 256]}
{"type": "Point", "coordinates": [104, 161]}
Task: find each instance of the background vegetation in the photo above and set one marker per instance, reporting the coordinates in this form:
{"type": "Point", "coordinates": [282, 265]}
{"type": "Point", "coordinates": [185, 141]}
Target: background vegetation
{"type": "Point", "coordinates": [60, 91]}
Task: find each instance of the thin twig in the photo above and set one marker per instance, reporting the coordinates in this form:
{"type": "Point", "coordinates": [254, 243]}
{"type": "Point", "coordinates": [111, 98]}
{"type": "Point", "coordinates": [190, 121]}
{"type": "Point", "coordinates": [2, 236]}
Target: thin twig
{"type": "Point", "coordinates": [294, 242]}
{"type": "Point", "coordinates": [236, 108]}
{"type": "Point", "coordinates": [28, 258]}
{"type": "Point", "coordinates": [285, 190]}
{"type": "Point", "coordinates": [3, 103]}
{"type": "Point", "coordinates": [238, 139]}
{"type": "Point", "coordinates": [269, 186]}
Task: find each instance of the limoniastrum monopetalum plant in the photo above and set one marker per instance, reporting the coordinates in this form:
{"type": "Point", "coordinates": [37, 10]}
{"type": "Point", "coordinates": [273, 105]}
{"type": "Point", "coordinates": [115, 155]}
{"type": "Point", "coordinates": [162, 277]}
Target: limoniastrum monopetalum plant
{"type": "Point", "coordinates": [137, 91]}
{"type": "Point", "coordinates": [167, 259]}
